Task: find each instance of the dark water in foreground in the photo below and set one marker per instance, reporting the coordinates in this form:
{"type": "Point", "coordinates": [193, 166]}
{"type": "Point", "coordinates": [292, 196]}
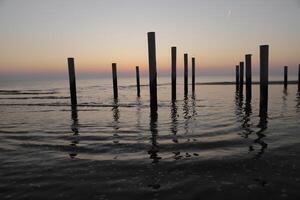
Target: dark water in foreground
{"type": "Point", "coordinates": [209, 146]}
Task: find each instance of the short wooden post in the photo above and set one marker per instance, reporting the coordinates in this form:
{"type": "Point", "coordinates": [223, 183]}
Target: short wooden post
{"type": "Point", "coordinates": [173, 63]}
{"type": "Point", "coordinates": [193, 75]}
{"type": "Point", "coordinates": [138, 88]}
{"type": "Point", "coordinates": [248, 76]}
{"type": "Point", "coordinates": [237, 76]}
{"type": "Point", "coordinates": [264, 80]}
{"type": "Point", "coordinates": [115, 80]}
{"type": "Point", "coordinates": [241, 75]}
{"type": "Point", "coordinates": [285, 77]}
{"type": "Point", "coordinates": [72, 81]}
{"type": "Point", "coordinates": [185, 74]}
{"type": "Point", "coordinates": [152, 71]}
{"type": "Point", "coordinates": [299, 77]}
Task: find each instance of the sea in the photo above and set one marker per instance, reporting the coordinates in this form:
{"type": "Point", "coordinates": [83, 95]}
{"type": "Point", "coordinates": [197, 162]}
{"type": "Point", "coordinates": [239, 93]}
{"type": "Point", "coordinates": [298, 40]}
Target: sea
{"type": "Point", "coordinates": [212, 144]}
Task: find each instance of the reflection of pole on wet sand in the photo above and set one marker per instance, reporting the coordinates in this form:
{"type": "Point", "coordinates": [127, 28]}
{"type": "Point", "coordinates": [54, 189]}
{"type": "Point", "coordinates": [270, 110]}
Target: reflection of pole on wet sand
{"type": "Point", "coordinates": [153, 152]}
{"type": "Point", "coordinates": [75, 130]}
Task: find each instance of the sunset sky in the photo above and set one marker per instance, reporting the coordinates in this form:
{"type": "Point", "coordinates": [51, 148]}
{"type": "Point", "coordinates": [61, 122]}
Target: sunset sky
{"type": "Point", "coordinates": [37, 36]}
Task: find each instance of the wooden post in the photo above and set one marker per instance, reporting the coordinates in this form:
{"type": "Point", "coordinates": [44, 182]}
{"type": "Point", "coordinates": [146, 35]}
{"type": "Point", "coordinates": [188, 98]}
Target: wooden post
{"type": "Point", "coordinates": [185, 74]}
{"type": "Point", "coordinates": [72, 81]}
{"type": "Point", "coordinates": [138, 89]}
{"type": "Point", "coordinates": [173, 61]}
{"type": "Point", "coordinates": [299, 78]}
{"type": "Point", "coordinates": [285, 77]}
{"type": "Point", "coordinates": [152, 71]}
{"type": "Point", "coordinates": [264, 80]}
{"type": "Point", "coordinates": [237, 76]}
{"type": "Point", "coordinates": [241, 75]}
{"type": "Point", "coordinates": [115, 80]}
{"type": "Point", "coordinates": [193, 75]}
{"type": "Point", "coordinates": [248, 76]}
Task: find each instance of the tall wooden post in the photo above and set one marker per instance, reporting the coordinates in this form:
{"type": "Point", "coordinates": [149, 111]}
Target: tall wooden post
{"type": "Point", "coordinates": [285, 77]}
{"type": "Point", "coordinates": [173, 63]}
{"type": "Point", "coordinates": [185, 74]}
{"type": "Point", "coordinates": [241, 74]}
{"type": "Point", "coordinates": [193, 75]}
{"type": "Point", "coordinates": [264, 80]}
{"type": "Point", "coordinates": [152, 71]}
{"type": "Point", "coordinates": [248, 76]}
{"type": "Point", "coordinates": [115, 81]}
{"type": "Point", "coordinates": [138, 88]}
{"type": "Point", "coordinates": [237, 76]}
{"type": "Point", "coordinates": [72, 81]}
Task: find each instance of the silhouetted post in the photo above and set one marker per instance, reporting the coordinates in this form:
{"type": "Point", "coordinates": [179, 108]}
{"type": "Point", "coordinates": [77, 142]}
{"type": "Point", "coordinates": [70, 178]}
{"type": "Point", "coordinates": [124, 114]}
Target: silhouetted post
{"type": "Point", "coordinates": [241, 74]}
{"type": "Point", "coordinates": [173, 61]}
{"type": "Point", "coordinates": [138, 89]}
{"type": "Point", "coordinates": [115, 81]}
{"type": "Point", "coordinates": [185, 74]}
{"type": "Point", "coordinates": [237, 76]}
{"type": "Point", "coordinates": [248, 76]}
{"type": "Point", "coordinates": [285, 77]}
{"type": "Point", "coordinates": [152, 71]}
{"type": "Point", "coordinates": [72, 81]}
{"type": "Point", "coordinates": [299, 77]}
{"type": "Point", "coordinates": [264, 80]}
{"type": "Point", "coordinates": [193, 75]}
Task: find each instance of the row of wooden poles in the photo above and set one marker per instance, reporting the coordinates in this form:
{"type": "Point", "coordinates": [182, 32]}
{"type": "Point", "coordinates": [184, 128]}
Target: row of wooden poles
{"type": "Point", "coordinates": [264, 76]}
{"type": "Point", "coordinates": [152, 75]}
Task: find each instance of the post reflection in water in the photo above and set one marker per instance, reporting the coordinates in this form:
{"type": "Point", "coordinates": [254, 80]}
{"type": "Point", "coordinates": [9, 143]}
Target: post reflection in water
{"type": "Point", "coordinates": [185, 108]}
{"type": "Point", "coordinates": [174, 121]}
{"type": "Point", "coordinates": [138, 113]}
{"type": "Point", "coordinates": [194, 113]}
{"type": "Point", "coordinates": [247, 118]}
{"type": "Point", "coordinates": [263, 120]}
{"type": "Point", "coordinates": [298, 102]}
{"type": "Point", "coordinates": [244, 114]}
{"type": "Point", "coordinates": [75, 130]}
{"type": "Point", "coordinates": [153, 152]}
{"type": "Point", "coordinates": [284, 101]}
{"type": "Point", "coordinates": [239, 105]}
{"type": "Point", "coordinates": [116, 117]}
{"type": "Point", "coordinates": [260, 134]}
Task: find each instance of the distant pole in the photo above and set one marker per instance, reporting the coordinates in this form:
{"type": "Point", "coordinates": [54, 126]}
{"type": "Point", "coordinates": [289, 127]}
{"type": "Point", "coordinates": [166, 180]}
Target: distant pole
{"type": "Point", "coordinates": [185, 74]}
{"type": "Point", "coordinates": [237, 76]}
{"type": "Point", "coordinates": [193, 75]}
{"type": "Point", "coordinates": [285, 77]}
{"type": "Point", "coordinates": [264, 80]}
{"type": "Point", "coordinates": [115, 81]}
{"type": "Point", "coordinates": [299, 77]}
{"type": "Point", "coordinates": [241, 76]}
{"type": "Point", "coordinates": [138, 89]}
{"type": "Point", "coordinates": [173, 60]}
{"type": "Point", "coordinates": [72, 81]}
{"type": "Point", "coordinates": [152, 71]}
{"type": "Point", "coordinates": [248, 76]}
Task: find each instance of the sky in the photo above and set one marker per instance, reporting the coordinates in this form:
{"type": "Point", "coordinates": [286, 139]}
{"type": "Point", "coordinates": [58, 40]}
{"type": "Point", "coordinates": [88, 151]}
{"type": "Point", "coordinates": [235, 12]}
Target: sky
{"type": "Point", "coordinates": [37, 36]}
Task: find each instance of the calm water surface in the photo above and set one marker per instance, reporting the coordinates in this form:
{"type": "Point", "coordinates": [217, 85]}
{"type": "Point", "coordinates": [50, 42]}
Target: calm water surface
{"type": "Point", "coordinates": [207, 145]}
